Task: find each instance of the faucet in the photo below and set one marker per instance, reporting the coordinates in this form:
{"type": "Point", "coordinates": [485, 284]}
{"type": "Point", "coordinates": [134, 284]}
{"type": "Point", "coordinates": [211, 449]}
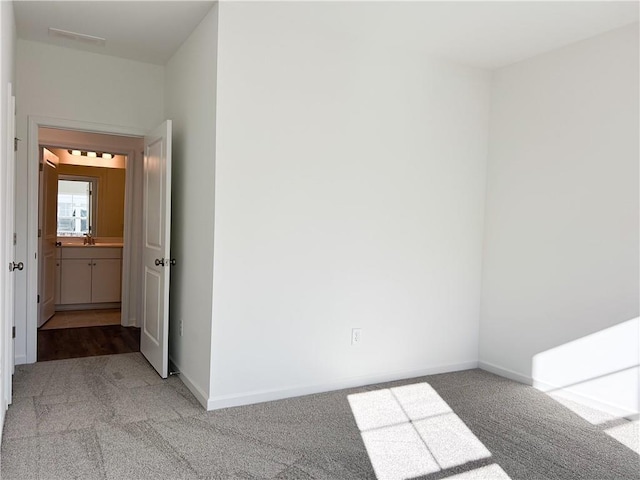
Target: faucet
{"type": "Point", "coordinates": [88, 239]}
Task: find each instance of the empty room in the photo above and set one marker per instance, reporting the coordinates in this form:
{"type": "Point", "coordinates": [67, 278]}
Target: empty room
{"type": "Point", "coordinates": [352, 240]}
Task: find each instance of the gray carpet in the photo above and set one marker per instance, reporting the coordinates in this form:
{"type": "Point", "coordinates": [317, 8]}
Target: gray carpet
{"type": "Point", "coordinates": [112, 417]}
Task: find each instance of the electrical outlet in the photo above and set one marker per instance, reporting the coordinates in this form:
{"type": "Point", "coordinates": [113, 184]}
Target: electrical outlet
{"type": "Point", "coordinates": [356, 336]}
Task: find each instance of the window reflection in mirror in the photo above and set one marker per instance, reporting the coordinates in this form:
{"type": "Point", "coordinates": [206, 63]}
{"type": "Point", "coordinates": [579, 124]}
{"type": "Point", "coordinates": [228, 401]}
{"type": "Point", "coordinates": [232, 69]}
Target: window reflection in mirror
{"type": "Point", "coordinates": [76, 205]}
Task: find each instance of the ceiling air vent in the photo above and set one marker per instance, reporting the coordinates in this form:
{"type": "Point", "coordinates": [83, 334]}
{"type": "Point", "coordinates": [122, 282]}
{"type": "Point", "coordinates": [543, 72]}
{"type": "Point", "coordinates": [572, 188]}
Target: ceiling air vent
{"type": "Point", "coordinates": [80, 37]}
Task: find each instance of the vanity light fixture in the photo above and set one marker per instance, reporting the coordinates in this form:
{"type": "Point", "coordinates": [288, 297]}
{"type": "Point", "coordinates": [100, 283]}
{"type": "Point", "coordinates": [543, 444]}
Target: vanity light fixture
{"type": "Point", "coordinates": [104, 156]}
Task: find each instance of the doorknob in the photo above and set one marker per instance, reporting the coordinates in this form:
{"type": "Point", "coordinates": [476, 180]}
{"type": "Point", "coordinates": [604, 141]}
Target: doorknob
{"type": "Point", "coordinates": [159, 261]}
{"type": "Point", "coordinates": [16, 266]}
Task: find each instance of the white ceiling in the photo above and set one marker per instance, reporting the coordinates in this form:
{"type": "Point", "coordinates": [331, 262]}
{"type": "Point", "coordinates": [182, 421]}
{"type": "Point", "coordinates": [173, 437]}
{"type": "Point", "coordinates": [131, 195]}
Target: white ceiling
{"type": "Point", "coordinates": [146, 31]}
{"type": "Point", "coordinates": [477, 33]}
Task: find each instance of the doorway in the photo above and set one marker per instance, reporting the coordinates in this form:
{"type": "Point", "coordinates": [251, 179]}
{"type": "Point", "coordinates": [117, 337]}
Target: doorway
{"type": "Point", "coordinates": [87, 205]}
{"type": "Point", "coordinates": [81, 239]}
{"type": "Point", "coordinates": [147, 232]}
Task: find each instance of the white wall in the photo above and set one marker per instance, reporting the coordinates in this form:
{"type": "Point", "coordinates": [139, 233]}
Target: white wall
{"type": "Point", "coordinates": [70, 84]}
{"type": "Point", "coordinates": [561, 250]}
{"type": "Point", "coordinates": [191, 103]}
{"type": "Point", "coordinates": [350, 185]}
{"type": "Point", "coordinates": [7, 49]}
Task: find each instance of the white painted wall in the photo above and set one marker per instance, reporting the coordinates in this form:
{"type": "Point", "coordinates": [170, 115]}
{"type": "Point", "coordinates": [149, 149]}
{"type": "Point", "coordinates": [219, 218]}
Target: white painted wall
{"type": "Point", "coordinates": [7, 55]}
{"type": "Point", "coordinates": [350, 186]}
{"type": "Point", "coordinates": [69, 84]}
{"type": "Point", "coordinates": [561, 250]}
{"type": "Point", "coordinates": [190, 101]}
{"type": "Point", "coordinates": [601, 369]}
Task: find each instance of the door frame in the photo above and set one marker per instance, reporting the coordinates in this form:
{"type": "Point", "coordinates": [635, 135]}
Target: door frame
{"type": "Point", "coordinates": [34, 123]}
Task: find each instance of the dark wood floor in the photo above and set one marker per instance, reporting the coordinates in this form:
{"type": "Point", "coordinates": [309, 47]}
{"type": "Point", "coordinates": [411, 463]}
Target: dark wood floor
{"type": "Point", "coordinates": [87, 342]}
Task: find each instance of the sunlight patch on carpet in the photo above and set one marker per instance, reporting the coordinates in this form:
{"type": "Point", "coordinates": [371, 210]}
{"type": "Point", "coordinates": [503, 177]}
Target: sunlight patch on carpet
{"type": "Point", "coordinates": [410, 431]}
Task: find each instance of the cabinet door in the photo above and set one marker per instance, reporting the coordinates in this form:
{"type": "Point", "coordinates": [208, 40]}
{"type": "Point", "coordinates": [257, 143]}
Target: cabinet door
{"type": "Point", "coordinates": [75, 281]}
{"type": "Point", "coordinates": [105, 280]}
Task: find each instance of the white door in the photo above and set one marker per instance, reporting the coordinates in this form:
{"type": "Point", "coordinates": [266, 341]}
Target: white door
{"type": "Point", "coordinates": [7, 361]}
{"type": "Point", "coordinates": [156, 226]}
{"type": "Point", "coordinates": [48, 235]}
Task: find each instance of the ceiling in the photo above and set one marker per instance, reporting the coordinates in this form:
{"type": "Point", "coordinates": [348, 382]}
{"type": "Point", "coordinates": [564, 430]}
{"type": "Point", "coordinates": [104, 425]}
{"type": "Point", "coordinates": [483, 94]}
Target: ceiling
{"type": "Point", "coordinates": [146, 31]}
{"type": "Point", "coordinates": [477, 33]}
{"type": "Point", "coordinates": [485, 34]}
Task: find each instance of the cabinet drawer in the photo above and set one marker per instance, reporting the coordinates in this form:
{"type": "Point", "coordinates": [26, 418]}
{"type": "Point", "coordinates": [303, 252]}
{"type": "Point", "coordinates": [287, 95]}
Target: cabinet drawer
{"type": "Point", "coordinates": [91, 252]}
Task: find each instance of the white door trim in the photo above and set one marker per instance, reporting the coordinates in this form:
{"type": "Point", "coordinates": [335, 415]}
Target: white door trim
{"type": "Point", "coordinates": [31, 263]}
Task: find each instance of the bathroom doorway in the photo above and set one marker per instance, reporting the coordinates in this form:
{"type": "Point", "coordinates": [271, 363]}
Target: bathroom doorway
{"type": "Point", "coordinates": [86, 210]}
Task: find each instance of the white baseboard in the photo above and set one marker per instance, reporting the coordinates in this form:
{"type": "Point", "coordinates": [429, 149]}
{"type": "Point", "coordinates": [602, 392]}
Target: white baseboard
{"type": "Point", "coordinates": [132, 322]}
{"type": "Point", "coordinates": [607, 407]}
{"type": "Point", "coordinates": [603, 406]}
{"type": "Point", "coordinates": [259, 396]}
{"type": "Point", "coordinates": [200, 395]}
{"type": "Point", "coordinates": [505, 372]}
{"type": "Point", "coordinates": [87, 306]}
{"type": "Point", "coordinates": [20, 359]}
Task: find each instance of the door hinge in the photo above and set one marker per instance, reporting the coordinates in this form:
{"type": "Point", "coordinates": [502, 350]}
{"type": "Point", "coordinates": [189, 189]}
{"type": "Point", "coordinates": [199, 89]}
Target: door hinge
{"type": "Point", "coordinates": [38, 299]}
{"type": "Point", "coordinates": [15, 143]}
{"type": "Point", "coordinates": [39, 232]}
{"type": "Point", "coordinates": [13, 332]}
{"type": "Point", "coordinates": [41, 166]}
{"type": "Point", "coordinates": [15, 238]}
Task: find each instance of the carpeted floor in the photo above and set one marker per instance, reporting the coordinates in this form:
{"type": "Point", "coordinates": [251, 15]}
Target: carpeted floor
{"type": "Point", "coordinates": [112, 417]}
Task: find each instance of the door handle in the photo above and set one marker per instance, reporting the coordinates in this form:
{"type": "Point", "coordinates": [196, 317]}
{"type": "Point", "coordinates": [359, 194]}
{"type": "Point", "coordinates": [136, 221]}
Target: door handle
{"type": "Point", "coordinates": [165, 262]}
{"type": "Point", "coordinates": [16, 266]}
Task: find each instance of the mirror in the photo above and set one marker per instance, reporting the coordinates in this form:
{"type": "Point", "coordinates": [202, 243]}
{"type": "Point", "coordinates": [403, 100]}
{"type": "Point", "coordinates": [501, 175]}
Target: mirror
{"type": "Point", "coordinates": [76, 205]}
{"type": "Point", "coordinates": [90, 199]}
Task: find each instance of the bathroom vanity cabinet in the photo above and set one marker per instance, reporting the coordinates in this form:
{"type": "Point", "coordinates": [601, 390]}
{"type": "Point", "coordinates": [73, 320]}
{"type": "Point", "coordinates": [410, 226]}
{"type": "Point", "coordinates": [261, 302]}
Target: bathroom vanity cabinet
{"type": "Point", "coordinates": [89, 275]}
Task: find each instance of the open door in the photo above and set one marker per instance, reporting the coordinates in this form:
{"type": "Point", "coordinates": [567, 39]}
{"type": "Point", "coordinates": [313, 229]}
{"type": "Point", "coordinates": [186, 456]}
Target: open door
{"type": "Point", "coordinates": [156, 226]}
{"type": "Point", "coordinates": [8, 360]}
{"type": "Point", "coordinates": [48, 235]}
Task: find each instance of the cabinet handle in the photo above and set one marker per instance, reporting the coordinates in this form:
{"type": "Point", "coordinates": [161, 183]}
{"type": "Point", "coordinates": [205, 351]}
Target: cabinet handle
{"type": "Point", "coordinates": [89, 263]}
